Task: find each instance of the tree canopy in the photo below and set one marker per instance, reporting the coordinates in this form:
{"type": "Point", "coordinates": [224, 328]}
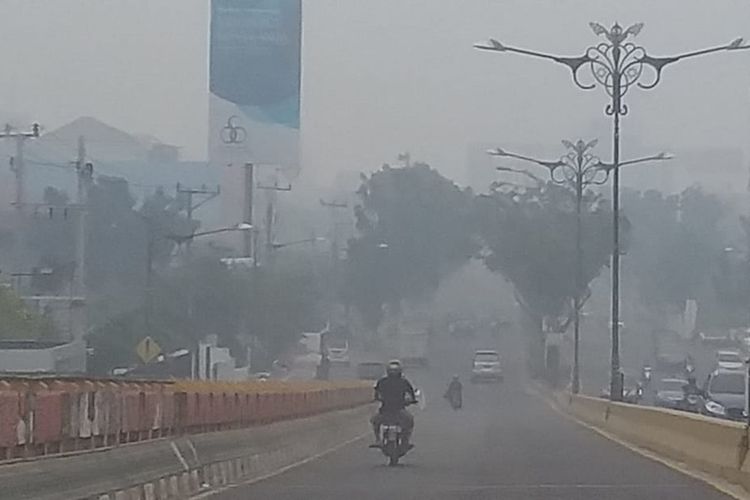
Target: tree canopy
{"type": "Point", "coordinates": [529, 234]}
{"type": "Point", "coordinates": [414, 226]}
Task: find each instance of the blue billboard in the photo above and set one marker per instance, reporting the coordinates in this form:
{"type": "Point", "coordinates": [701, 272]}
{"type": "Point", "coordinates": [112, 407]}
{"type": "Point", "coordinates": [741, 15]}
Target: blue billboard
{"type": "Point", "coordinates": [255, 58]}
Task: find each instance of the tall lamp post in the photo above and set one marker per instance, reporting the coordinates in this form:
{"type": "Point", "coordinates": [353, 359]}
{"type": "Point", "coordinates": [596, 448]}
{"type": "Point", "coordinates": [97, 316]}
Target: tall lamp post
{"type": "Point", "coordinates": [616, 64]}
{"type": "Point", "coordinates": [576, 169]}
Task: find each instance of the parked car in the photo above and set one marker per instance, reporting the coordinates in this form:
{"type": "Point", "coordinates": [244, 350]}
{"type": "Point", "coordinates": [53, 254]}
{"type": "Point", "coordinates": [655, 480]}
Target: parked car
{"type": "Point", "coordinates": [370, 370]}
{"type": "Point", "coordinates": [729, 360]}
{"type": "Point", "coordinates": [717, 340]}
{"type": "Point", "coordinates": [486, 366]}
{"type": "Point", "coordinates": [670, 393]}
{"type": "Point", "coordinates": [724, 395]}
{"type": "Point", "coordinates": [671, 352]}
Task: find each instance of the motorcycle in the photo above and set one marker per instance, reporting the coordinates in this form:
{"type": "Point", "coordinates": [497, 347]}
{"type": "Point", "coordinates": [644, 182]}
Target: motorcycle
{"type": "Point", "coordinates": [393, 446]}
{"type": "Point", "coordinates": [692, 403]}
{"type": "Point", "coordinates": [646, 375]}
{"type": "Point", "coordinates": [455, 399]}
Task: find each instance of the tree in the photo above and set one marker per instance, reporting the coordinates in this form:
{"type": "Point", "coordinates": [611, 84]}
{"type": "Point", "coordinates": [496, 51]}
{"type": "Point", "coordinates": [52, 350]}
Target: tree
{"type": "Point", "coordinates": [17, 322]}
{"type": "Point", "coordinates": [529, 234]}
{"type": "Point", "coordinates": [116, 243]}
{"type": "Point", "coordinates": [530, 238]}
{"type": "Point", "coordinates": [414, 226]}
{"type": "Point", "coordinates": [676, 243]}
{"type": "Point", "coordinates": [272, 305]}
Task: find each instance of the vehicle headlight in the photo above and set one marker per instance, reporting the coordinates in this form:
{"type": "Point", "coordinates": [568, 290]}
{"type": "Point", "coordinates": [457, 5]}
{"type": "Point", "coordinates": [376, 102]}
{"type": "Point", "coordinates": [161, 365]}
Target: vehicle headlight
{"type": "Point", "coordinates": [715, 408]}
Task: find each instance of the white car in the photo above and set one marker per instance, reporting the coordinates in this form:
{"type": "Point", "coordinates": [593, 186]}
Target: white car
{"type": "Point", "coordinates": [486, 366]}
{"type": "Point", "coordinates": [729, 360]}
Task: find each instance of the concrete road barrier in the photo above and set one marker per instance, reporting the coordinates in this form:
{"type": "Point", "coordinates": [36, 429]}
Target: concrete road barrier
{"type": "Point", "coordinates": [153, 470]}
{"type": "Point", "coordinates": [714, 446]}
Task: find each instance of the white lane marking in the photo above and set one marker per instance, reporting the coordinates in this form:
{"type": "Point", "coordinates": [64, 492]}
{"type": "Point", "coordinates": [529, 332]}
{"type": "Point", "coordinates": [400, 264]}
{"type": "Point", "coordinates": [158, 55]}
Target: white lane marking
{"type": "Point", "coordinates": [718, 484]}
{"type": "Point", "coordinates": [282, 470]}
{"type": "Point", "coordinates": [193, 450]}
{"type": "Point", "coordinates": [179, 456]}
{"type": "Point", "coordinates": [507, 487]}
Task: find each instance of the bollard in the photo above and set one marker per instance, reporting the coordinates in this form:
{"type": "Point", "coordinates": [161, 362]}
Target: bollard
{"type": "Point", "coordinates": [224, 474]}
{"type": "Point", "coordinates": [184, 481]}
{"type": "Point", "coordinates": [195, 482]}
{"type": "Point", "coordinates": [149, 492]}
{"type": "Point", "coordinates": [163, 489]}
{"type": "Point", "coordinates": [174, 487]}
{"type": "Point", "coordinates": [215, 475]}
{"type": "Point", "coordinates": [231, 476]}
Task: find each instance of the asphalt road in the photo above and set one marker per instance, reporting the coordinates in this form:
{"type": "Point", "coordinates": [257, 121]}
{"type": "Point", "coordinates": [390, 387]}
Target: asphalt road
{"type": "Point", "coordinates": [506, 443]}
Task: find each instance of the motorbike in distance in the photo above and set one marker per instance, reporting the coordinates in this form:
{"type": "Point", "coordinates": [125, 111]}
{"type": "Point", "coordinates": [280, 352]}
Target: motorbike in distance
{"type": "Point", "coordinates": [454, 393]}
{"type": "Point", "coordinates": [646, 375]}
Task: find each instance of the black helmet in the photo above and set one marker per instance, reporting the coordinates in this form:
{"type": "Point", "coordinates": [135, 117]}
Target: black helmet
{"type": "Point", "coordinates": [394, 368]}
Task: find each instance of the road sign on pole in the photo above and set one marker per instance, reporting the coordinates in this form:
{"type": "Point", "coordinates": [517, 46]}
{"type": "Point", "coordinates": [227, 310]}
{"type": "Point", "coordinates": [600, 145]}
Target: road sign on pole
{"type": "Point", "coordinates": [147, 349]}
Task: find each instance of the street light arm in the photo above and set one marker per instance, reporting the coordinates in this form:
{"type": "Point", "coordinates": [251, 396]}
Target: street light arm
{"type": "Point", "coordinates": [659, 157]}
{"type": "Point", "coordinates": [276, 246]}
{"type": "Point", "coordinates": [551, 165]}
{"type": "Point", "coordinates": [574, 63]}
{"type": "Point", "coordinates": [658, 63]}
{"type": "Point", "coordinates": [178, 238]}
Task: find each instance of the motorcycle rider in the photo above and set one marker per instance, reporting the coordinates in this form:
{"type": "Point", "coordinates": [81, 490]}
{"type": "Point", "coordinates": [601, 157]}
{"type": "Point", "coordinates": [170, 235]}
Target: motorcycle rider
{"type": "Point", "coordinates": [453, 394]}
{"type": "Point", "coordinates": [691, 388]}
{"type": "Point", "coordinates": [392, 392]}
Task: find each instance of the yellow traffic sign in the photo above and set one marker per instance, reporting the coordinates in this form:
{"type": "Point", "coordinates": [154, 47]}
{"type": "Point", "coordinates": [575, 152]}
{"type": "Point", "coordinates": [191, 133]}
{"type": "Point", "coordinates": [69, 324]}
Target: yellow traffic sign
{"type": "Point", "coordinates": [147, 349]}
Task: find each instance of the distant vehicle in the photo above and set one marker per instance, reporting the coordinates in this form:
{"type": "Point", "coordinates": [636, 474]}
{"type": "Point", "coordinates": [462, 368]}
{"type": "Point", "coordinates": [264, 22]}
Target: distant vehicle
{"type": "Point", "coordinates": [724, 395]}
{"type": "Point", "coordinates": [729, 360]}
{"type": "Point", "coordinates": [723, 340]}
{"type": "Point", "coordinates": [486, 366]}
{"type": "Point", "coordinates": [671, 353]}
{"type": "Point", "coordinates": [370, 370]}
{"type": "Point", "coordinates": [670, 393]}
{"type": "Point", "coordinates": [338, 351]}
{"type": "Point", "coordinates": [263, 376]}
{"type": "Point", "coordinates": [632, 391]}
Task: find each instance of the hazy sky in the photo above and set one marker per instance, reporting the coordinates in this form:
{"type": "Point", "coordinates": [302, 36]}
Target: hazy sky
{"type": "Point", "coordinates": [381, 76]}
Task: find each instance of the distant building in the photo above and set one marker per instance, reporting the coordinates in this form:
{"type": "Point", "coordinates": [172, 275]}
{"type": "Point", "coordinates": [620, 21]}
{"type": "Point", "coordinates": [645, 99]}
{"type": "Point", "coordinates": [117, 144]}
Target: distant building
{"type": "Point", "coordinates": [36, 356]}
{"type": "Point", "coordinates": [143, 160]}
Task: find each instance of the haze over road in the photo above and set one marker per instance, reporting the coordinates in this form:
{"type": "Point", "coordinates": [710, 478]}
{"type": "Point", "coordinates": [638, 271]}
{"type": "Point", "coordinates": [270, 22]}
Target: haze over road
{"type": "Point", "coordinates": [506, 443]}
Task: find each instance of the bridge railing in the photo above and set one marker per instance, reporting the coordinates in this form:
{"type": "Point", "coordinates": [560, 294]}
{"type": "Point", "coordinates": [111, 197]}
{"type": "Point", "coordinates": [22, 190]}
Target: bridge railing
{"type": "Point", "coordinates": [42, 415]}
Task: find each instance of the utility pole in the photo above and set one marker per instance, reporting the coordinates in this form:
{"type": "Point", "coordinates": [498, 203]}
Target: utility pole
{"type": "Point", "coordinates": [333, 207]}
{"type": "Point", "coordinates": [249, 187]}
{"type": "Point", "coordinates": [17, 163]}
{"type": "Point", "coordinates": [190, 207]}
{"type": "Point", "coordinates": [270, 211]}
{"type": "Point", "coordinates": [85, 173]}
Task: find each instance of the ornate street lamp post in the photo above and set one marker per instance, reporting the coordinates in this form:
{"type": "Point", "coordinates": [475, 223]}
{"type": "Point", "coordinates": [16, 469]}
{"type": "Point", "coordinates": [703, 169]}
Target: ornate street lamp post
{"type": "Point", "coordinates": [577, 169]}
{"type": "Point", "coordinates": [615, 64]}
